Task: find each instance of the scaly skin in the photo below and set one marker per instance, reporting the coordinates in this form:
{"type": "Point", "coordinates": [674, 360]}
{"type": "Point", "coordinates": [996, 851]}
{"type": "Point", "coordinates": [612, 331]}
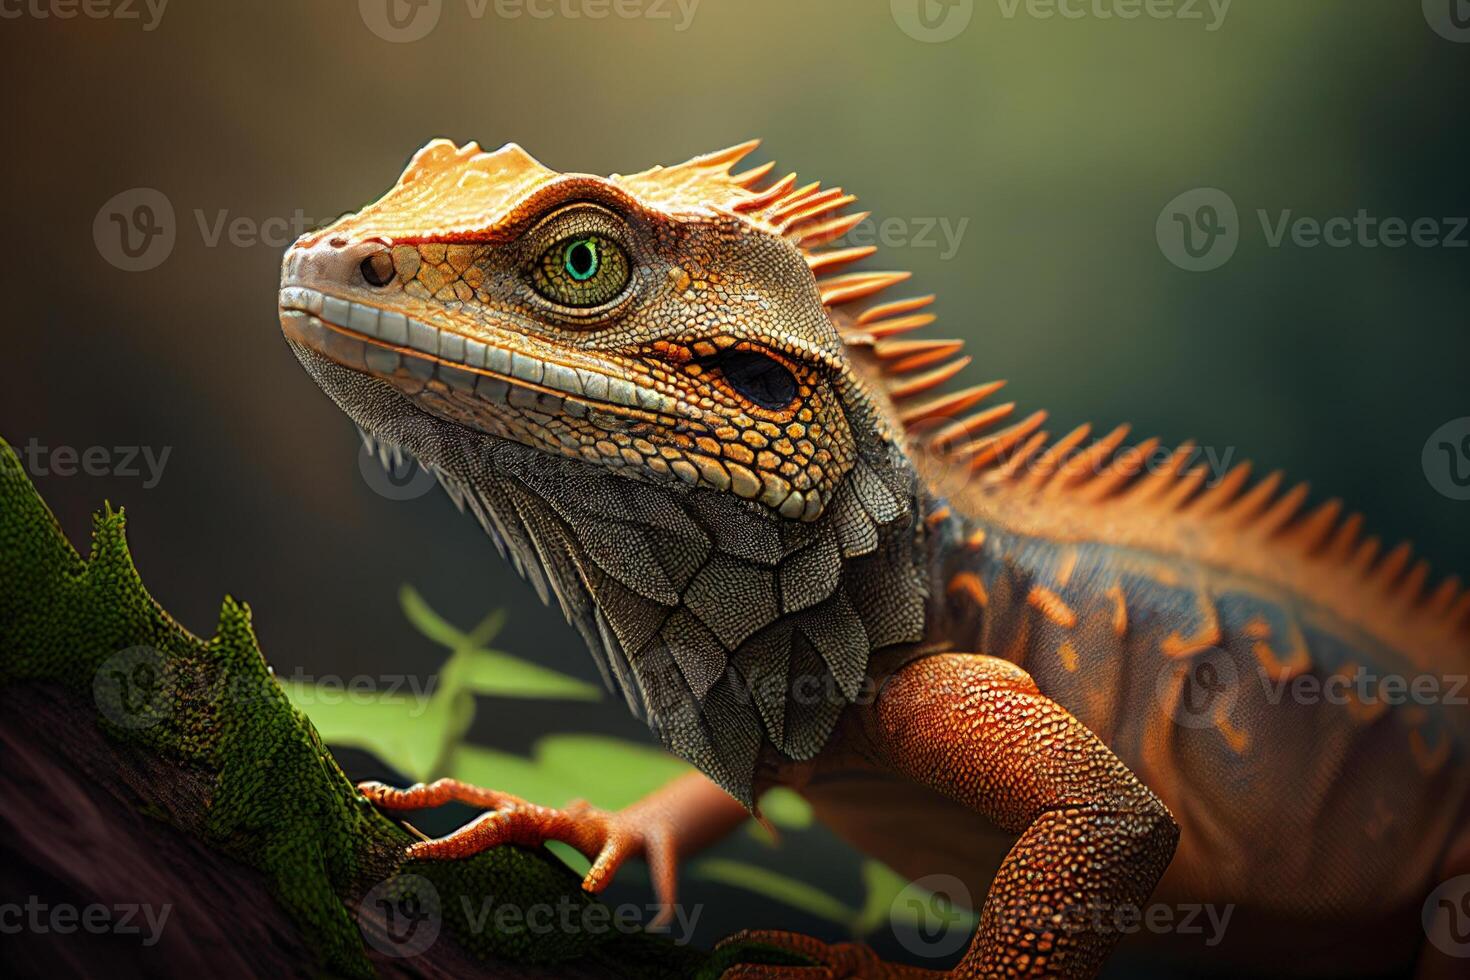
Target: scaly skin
{"type": "Point", "coordinates": [806, 564]}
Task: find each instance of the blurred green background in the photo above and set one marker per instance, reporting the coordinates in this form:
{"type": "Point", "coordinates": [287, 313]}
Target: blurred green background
{"type": "Point", "coordinates": [1052, 142]}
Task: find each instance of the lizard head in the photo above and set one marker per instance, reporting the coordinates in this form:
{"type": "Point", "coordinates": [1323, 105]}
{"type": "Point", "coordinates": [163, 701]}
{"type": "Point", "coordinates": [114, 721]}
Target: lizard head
{"type": "Point", "coordinates": [640, 388]}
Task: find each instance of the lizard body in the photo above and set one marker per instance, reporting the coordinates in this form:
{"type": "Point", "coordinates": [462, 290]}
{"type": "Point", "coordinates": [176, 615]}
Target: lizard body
{"type": "Point", "coordinates": [736, 468]}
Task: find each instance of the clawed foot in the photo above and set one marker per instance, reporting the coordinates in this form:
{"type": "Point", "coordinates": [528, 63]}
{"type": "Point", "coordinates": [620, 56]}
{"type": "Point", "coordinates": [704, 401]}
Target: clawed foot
{"type": "Point", "coordinates": [606, 839]}
{"type": "Point", "coordinates": [833, 960]}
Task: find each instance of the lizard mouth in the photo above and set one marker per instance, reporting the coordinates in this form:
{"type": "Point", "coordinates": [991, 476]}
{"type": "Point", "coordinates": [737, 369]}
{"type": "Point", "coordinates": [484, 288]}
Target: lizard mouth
{"type": "Point", "coordinates": [419, 358]}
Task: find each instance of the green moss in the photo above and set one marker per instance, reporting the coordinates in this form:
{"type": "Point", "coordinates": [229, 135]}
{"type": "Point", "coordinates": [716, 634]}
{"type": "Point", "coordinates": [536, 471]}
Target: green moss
{"type": "Point", "coordinates": [256, 782]}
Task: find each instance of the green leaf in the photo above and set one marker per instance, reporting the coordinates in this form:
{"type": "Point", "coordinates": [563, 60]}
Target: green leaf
{"type": "Point", "coordinates": [407, 733]}
{"type": "Point", "coordinates": [495, 674]}
{"type": "Point", "coordinates": [606, 772]}
{"type": "Point", "coordinates": [882, 886]}
{"type": "Point", "coordinates": [427, 621]}
{"type": "Point", "coordinates": [762, 881]}
{"type": "Point", "coordinates": [786, 808]}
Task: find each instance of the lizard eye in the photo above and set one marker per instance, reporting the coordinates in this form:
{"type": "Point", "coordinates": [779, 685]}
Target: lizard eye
{"type": "Point", "coordinates": [582, 271]}
{"type": "Point", "coordinates": [757, 378]}
{"type": "Point", "coordinates": [377, 269]}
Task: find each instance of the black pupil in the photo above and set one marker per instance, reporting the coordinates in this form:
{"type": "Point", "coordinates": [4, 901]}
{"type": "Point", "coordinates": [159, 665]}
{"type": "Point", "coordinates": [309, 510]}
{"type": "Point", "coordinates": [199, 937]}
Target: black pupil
{"type": "Point", "coordinates": [377, 269]}
{"type": "Point", "coordinates": [758, 378]}
{"type": "Point", "coordinates": [581, 258]}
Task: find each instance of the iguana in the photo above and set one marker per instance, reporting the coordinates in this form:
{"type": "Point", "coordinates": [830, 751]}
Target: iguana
{"type": "Point", "coordinates": [805, 561]}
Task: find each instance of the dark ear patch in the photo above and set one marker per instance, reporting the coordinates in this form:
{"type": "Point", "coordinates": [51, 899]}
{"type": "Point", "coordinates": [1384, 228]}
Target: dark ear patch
{"type": "Point", "coordinates": [757, 378]}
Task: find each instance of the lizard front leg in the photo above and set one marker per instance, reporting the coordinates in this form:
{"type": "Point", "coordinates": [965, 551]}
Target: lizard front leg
{"type": "Point", "coordinates": [1092, 839]}
{"type": "Point", "coordinates": [677, 820]}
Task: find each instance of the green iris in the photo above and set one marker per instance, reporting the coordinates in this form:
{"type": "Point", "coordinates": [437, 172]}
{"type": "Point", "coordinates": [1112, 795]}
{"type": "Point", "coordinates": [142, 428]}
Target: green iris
{"type": "Point", "coordinates": [582, 271]}
{"type": "Point", "coordinates": [581, 261]}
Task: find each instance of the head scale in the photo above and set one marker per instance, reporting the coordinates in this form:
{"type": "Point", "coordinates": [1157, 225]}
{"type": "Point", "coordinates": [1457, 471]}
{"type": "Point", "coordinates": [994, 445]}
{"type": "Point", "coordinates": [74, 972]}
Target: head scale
{"type": "Point", "coordinates": [639, 388]}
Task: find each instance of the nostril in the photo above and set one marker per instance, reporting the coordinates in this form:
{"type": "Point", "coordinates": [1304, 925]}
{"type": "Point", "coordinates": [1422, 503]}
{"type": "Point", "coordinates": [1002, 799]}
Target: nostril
{"type": "Point", "coordinates": [377, 269]}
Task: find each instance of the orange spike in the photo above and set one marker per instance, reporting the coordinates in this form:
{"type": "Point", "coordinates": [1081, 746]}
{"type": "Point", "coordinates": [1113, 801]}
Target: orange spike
{"type": "Point", "coordinates": [1283, 510]}
{"type": "Point", "coordinates": [1313, 530]}
{"type": "Point", "coordinates": [856, 285]}
{"type": "Point", "coordinates": [950, 404]}
{"type": "Point", "coordinates": [901, 324]}
{"type": "Point", "coordinates": [1341, 546]}
{"type": "Point", "coordinates": [837, 257]}
{"type": "Point", "coordinates": [754, 175]}
{"type": "Point", "coordinates": [1224, 491]}
{"type": "Point", "coordinates": [889, 350]}
{"type": "Point", "coordinates": [1088, 463]}
{"type": "Point", "coordinates": [1021, 456]}
{"type": "Point", "coordinates": [1251, 503]}
{"type": "Point", "coordinates": [1159, 481]}
{"type": "Point", "coordinates": [923, 382]}
{"type": "Point", "coordinates": [1391, 567]}
{"type": "Point", "coordinates": [826, 231]}
{"type": "Point", "coordinates": [826, 202]}
{"type": "Point", "coordinates": [761, 199]}
{"type": "Point", "coordinates": [730, 155]}
{"type": "Point", "coordinates": [1184, 488]}
{"type": "Point", "coordinates": [1443, 598]}
{"type": "Point", "coordinates": [1052, 606]}
{"type": "Point", "coordinates": [1459, 617]}
{"type": "Point", "coordinates": [933, 352]}
{"type": "Point", "coordinates": [893, 308]}
{"type": "Point", "coordinates": [1123, 468]}
{"type": "Point", "coordinates": [797, 196]}
{"type": "Point", "coordinates": [968, 426]}
{"type": "Point", "coordinates": [983, 452]}
{"type": "Point", "coordinates": [1411, 589]}
{"type": "Point", "coordinates": [1362, 559]}
{"type": "Point", "coordinates": [1050, 463]}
